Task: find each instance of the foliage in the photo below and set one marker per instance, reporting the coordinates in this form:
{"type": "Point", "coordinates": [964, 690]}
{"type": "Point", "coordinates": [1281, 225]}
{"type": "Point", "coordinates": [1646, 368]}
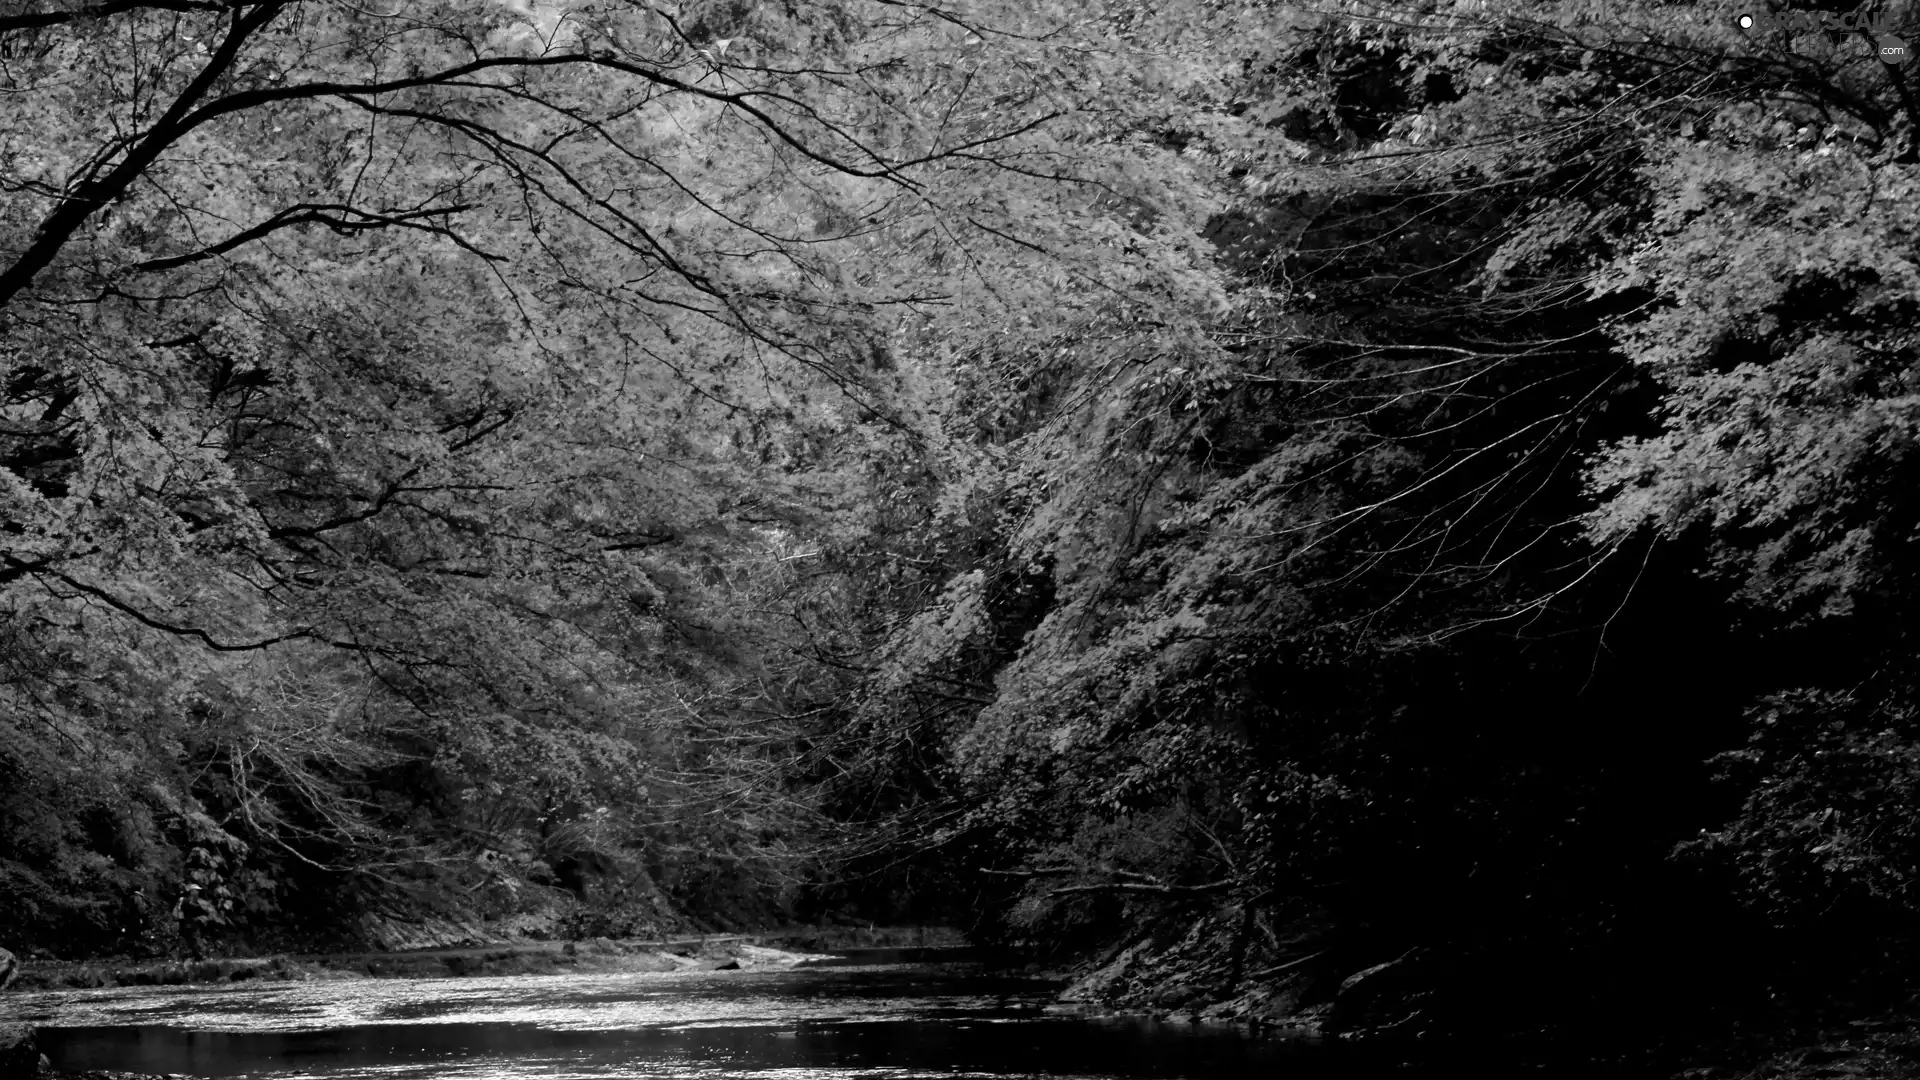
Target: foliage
{"type": "Point", "coordinates": [1348, 584]}
{"type": "Point", "coordinates": [1825, 835]}
{"type": "Point", "coordinates": [1069, 467]}
{"type": "Point", "coordinates": [407, 412]}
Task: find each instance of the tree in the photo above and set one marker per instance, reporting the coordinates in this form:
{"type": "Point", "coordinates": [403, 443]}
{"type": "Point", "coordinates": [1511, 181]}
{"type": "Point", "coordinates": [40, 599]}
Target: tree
{"type": "Point", "coordinates": [1775, 262]}
{"type": "Point", "coordinates": [1343, 589]}
{"type": "Point", "coordinates": [451, 355]}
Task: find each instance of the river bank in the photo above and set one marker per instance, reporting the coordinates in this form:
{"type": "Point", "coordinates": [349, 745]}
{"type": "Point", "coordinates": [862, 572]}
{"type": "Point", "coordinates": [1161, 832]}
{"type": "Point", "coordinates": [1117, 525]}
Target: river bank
{"type": "Point", "coordinates": [1179, 981]}
{"type": "Point", "coordinates": [773, 948]}
{"type": "Point", "coordinates": [832, 1021]}
{"type": "Point", "coordinates": [1295, 980]}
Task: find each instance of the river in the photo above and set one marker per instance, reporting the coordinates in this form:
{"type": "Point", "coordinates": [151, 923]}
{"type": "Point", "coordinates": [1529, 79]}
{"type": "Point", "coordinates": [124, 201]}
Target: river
{"type": "Point", "coordinates": [873, 1022]}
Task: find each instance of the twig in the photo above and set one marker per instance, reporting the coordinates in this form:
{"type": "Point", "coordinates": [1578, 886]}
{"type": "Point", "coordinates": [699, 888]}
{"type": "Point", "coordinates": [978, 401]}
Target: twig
{"type": "Point", "coordinates": [1130, 886]}
{"type": "Point", "coordinates": [1278, 968]}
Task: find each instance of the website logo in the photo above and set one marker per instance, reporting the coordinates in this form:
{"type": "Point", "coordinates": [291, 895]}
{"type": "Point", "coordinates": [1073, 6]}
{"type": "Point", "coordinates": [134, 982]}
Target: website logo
{"type": "Point", "coordinates": [1875, 24]}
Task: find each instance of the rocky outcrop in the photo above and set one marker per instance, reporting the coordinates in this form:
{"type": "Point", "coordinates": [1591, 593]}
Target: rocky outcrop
{"type": "Point", "coordinates": [1230, 966]}
{"type": "Point", "coordinates": [1225, 966]}
{"type": "Point", "coordinates": [1384, 998]}
{"type": "Point", "coordinates": [426, 932]}
{"type": "Point", "coordinates": [1106, 982]}
{"type": "Point", "coordinates": [9, 969]}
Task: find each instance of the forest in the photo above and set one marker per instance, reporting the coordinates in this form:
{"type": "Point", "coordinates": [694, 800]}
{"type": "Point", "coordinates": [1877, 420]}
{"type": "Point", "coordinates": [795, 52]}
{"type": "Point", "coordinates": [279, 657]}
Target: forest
{"type": "Point", "coordinates": [1403, 512]}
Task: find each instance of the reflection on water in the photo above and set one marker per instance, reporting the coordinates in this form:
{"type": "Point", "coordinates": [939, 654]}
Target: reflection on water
{"type": "Point", "coordinates": [576, 1002]}
{"type": "Point", "coordinates": [897, 1048]}
{"type": "Point", "coordinates": [831, 1024]}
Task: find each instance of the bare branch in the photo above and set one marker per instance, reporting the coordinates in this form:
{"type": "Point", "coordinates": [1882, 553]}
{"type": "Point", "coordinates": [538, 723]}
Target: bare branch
{"type": "Point", "coordinates": [59, 226]}
{"type": "Point", "coordinates": [338, 217]}
{"type": "Point", "coordinates": [1143, 887]}
{"type": "Point", "coordinates": [33, 20]}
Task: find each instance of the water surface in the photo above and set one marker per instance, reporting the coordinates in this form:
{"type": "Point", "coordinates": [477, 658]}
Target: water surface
{"type": "Point", "coordinates": [899, 1022]}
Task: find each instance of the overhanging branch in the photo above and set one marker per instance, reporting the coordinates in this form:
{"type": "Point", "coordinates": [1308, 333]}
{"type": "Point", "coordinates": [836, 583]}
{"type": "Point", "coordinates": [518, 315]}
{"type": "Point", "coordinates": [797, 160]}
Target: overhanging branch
{"type": "Point", "coordinates": [336, 216]}
{"type": "Point", "coordinates": [34, 20]}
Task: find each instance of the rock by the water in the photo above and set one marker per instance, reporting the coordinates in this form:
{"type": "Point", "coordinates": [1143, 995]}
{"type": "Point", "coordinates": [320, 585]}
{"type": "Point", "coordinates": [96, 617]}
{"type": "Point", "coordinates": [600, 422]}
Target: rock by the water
{"type": "Point", "coordinates": [19, 1053]}
{"type": "Point", "coordinates": [9, 969]}
{"type": "Point", "coordinates": [1383, 997]}
{"type": "Point", "coordinates": [1353, 981]}
{"type": "Point", "coordinates": [1105, 983]}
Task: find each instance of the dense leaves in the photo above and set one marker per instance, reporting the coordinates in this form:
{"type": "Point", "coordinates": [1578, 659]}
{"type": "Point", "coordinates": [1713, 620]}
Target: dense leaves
{"type": "Point", "coordinates": [1366, 596]}
{"type": "Point", "coordinates": [410, 415]}
{"type": "Point", "coordinates": [1425, 480]}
